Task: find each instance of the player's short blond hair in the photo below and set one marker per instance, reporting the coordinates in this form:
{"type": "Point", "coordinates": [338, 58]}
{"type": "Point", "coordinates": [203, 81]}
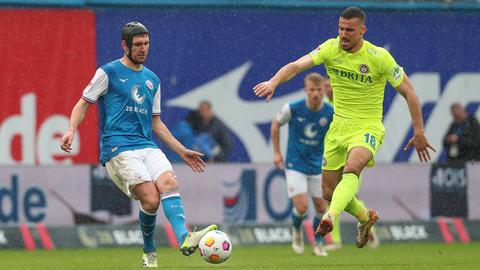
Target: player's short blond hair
{"type": "Point", "coordinates": [314, 77]}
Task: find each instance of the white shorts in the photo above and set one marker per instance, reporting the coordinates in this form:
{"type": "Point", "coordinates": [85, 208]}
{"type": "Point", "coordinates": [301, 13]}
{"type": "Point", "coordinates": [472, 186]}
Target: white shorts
{"type": "Point", "coordinates": [298, 183]}
{"type": "Point", "coordinates": [134, 167]}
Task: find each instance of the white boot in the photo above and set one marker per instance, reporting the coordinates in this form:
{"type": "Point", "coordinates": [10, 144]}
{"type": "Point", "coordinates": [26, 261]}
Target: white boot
{"type": "Point", "coordinates": [297, 241]}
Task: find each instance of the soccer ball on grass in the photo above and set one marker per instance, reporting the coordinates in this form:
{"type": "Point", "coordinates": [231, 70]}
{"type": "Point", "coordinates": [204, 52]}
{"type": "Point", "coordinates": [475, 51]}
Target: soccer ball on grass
{"type": "Point", "coordinates": [215, 247]}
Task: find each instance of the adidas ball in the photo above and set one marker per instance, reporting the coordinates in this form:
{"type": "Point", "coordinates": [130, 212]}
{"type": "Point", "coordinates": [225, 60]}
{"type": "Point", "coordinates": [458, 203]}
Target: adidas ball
{"type": "Point", "coordinates": [215, 247]}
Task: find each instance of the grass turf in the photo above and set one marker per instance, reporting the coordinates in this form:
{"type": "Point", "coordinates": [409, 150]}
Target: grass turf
{"type": "Point", "coordinates": [389, 256]}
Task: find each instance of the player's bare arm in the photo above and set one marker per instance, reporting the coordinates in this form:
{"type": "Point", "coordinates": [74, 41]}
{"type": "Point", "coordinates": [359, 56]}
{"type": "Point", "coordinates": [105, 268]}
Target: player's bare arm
{"type": "Point", "coordinates": [192, 158]}
{"type": "Point", "coordinates": [77, 116]}
{"type": "Point", "coordinates": [285, 74]}
{"type": "Point", "coordinates": [419, 140]}
{"type": "Point", "coordinates": [275, 137]}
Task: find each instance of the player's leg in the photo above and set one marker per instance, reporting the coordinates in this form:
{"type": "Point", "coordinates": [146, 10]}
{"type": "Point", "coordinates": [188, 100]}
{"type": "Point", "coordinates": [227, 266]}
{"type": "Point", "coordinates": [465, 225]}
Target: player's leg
{"type": "Point", "coordinates": [349, 185]}
{"type": "Point", "coordinates": [330, 179]}
{"type": "Point", "coordinates": [172, 204]}
{"type": "Point", "coordinates": [128, 172]}
{"type": "Point", "coordinates": [297, 192]}
{"type": "Point", "coordinates": [373, 240]}
{"type": "Point", "coordinates": [149, 202]}
{"type": "Point", "coordinates": [321, 205]}
{"type": "Point", "coordinates": [299, 214]}
{"type": "Point", "coordinates": [345, 191]}
{"type": "Point", "coordinates": [336, 236]}
{"type": "Point", "coordinates": [365, 142]}
{"type": "Point", "coordinates": [167, 185]}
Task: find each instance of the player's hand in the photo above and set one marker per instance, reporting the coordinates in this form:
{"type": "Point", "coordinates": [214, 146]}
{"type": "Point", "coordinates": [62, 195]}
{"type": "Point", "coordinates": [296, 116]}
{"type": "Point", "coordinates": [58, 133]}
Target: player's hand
{"type": "Point", "coordinates": [420, 142]}
{"type": "Point", "coordinates": [66, 141]}
{"type": "Point", "coordinates": [194, 160]}
{"type": "Point", "coordinates": [278, 161]}
{"type": "Point", "coordinates": [264, 89]}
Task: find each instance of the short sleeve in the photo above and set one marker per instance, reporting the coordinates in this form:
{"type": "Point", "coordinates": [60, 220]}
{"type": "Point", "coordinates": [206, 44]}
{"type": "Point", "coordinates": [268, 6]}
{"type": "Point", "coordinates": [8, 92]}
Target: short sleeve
{"type": "Point", "coordinates": [393, 72]}
{"type": "Point", "coordinates": [320, 54]}
{"type": "Point", "coordinates": [156, 102]}
{"type": "Point", "coordinates": [284, 115]}
{"type": "Point", "coordinates": [97, 87]}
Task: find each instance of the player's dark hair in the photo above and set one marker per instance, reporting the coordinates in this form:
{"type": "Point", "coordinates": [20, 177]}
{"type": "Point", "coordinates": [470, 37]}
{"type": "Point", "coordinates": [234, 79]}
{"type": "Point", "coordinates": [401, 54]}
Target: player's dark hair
{"type": "Point", "coordinates": [354, 12]}
{"type": "Point", "coordinates": [132, 29]}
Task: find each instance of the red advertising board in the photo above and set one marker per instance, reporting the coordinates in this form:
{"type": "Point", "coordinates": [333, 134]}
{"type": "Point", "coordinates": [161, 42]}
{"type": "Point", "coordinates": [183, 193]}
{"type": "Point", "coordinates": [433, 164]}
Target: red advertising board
{"type": "Point", "coordinates": [48, 57]}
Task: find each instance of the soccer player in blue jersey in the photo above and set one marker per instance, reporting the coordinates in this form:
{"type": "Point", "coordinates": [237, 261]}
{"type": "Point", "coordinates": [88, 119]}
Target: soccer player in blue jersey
{"type": "Point", "coordinates": [128, 97]}
{"type": "Point", "coordinates": [308, 121]}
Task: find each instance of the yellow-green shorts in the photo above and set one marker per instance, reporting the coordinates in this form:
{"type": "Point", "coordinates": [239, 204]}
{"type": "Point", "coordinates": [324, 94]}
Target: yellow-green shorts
{"type": "Point", "coordinates": [345, 134]}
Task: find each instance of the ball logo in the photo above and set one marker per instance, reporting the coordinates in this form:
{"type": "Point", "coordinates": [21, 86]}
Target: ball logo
{"type": "Point", "coordinates": [226, 245]}
{"type": "Point", "coordinates": [149, 84]}
{"type": "Point", "coordinates": [363, 69]}
{"type": "Point", "coordinates": [209, 242]}
{"type": "Point", "coordinates": [214, 258]}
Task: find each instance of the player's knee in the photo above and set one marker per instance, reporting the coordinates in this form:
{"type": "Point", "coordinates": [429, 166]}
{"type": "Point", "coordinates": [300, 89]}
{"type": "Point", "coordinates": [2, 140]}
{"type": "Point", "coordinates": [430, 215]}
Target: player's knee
{"type": "Point", "coordinates": [353, 166]}
{"type": "Point", "coordinates": [150, 203]}
{"type": "Point", "coordinates": [320, 205]}
{"type": "Point", "coordinates": [327, 194]}
{"type": "Point", "coordinates": [301, 208]}
{"type": "Point", "coordinates": [167, 183]}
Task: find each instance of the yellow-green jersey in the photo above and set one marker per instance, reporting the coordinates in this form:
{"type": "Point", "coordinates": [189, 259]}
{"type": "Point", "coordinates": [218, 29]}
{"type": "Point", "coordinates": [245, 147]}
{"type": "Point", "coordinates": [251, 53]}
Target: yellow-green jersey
{"type": "Point", "coordinates": [358, 79]}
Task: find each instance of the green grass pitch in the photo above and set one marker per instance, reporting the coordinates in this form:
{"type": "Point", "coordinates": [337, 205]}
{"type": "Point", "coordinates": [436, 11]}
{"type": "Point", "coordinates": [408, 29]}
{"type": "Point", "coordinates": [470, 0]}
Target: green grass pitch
{"type": "Point", "coordinates": [389, 256]}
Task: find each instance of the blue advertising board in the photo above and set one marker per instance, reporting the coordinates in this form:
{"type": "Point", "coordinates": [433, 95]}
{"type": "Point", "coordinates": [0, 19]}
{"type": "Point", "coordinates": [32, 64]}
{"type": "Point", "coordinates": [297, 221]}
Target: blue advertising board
{"type": "Point", "coordinates": [220, 54]}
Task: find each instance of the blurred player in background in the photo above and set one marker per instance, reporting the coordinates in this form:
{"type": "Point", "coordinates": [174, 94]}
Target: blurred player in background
{"type": "Point", "coordinates": [128, 96]}
{"type": "Point", "coordinates": [358, 72]}
{"type": "Point", "coordinates": [308, 120]}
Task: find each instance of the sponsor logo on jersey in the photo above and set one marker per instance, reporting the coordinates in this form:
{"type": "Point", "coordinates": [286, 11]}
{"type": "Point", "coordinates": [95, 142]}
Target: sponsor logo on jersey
{"type": "Point", "coordinates": [396, 72]}
{"type": "Point", "coordinates": [353, 76]}
{"type": "Point", "coordinates": [123, 80]}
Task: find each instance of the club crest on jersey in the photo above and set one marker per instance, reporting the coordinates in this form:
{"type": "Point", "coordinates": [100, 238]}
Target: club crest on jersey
{"type": "Point", "coordinates": [310, 131]}
{"type": "Point", "coordinates": [149, 84]}
{"type": "Point", "coordinates": [323, 121]}
{"type": "Point", "coordinates": [363, 69]}
{"type": "Point", "coordinates": [136, 96]}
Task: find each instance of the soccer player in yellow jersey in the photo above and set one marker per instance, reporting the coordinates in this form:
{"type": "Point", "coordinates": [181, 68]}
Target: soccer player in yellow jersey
{"type": "Point", "coordinates": [358, 72]}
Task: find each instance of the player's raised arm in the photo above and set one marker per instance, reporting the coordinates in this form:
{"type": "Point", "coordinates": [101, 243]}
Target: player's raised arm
{"type": "Point", "coordinates": [192, 158]}
{"type": "Point", "coordinates": [77, 116]}
{"type": "Point", "coordinates": [285, 74]}
{"type": "Point", "coordinates": [419, 140]}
